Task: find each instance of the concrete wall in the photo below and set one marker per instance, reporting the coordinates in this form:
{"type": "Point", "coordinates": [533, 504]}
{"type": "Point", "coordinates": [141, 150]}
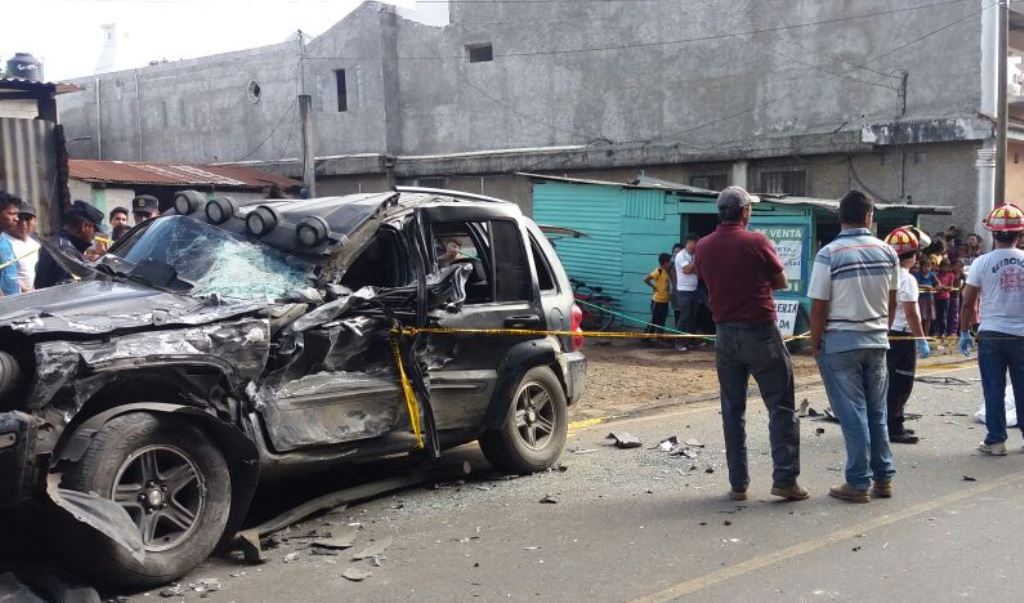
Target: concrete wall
{"type": "Point", "coordinates": [670, 73]}
{"type": "Point", "coordinates": [1015, 172]}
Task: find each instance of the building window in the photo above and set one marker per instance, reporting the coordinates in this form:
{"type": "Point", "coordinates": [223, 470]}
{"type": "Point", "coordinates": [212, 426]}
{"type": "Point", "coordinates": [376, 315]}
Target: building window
{"type": "Point", "coordinates": [339, 81]}
{"type": "Point", "coordinates": [480, 53]}
{"type": "Point", "coordinates": [785, 182]}
{"type": "Point", "coordinates": [713, 182]}
{"type": "Point", "coordinates": [254, 92]}
{"type": "Point", "coordinates": [432, 182]}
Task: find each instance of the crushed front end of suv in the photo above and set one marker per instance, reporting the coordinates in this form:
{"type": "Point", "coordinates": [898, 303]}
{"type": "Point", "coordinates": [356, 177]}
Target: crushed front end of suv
{"type": "Point", "coordinates": [226, 344]}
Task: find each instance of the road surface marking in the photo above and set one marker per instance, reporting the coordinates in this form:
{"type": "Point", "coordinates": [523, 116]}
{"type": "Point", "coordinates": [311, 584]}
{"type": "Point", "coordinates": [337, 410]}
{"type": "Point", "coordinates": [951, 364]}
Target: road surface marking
{"type": "Point", "coordinates": [809, 546]}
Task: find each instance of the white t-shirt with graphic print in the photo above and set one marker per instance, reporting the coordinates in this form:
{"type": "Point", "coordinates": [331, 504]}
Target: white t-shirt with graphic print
{"type": "Point", "coordinates": [1000, 276]}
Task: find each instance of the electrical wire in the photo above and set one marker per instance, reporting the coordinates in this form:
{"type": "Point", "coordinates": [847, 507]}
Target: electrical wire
{"type": "Point", "coordinates": [289, 110]}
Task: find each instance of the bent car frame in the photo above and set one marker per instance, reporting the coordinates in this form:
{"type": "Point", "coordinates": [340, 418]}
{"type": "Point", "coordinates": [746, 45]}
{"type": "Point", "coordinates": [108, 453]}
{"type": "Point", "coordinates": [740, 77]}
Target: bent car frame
{"type": "Point", "coordinates": [226, 344]}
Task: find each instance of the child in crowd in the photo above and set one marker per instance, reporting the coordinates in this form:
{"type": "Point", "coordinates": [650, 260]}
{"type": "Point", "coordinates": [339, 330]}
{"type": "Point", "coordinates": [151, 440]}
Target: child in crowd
{"type": "Point", "coordinates": [926, 283]}
{"type": "Point", "coordinates": [953, 319]}
{"type": "Point", "coordinates": [943, 296]}
{"type": "Point", "coordinates": [660, 283]}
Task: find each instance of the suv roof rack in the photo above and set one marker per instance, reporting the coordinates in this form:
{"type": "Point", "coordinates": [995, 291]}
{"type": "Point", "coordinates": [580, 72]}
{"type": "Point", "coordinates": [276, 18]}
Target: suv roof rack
{"type": "Point", "coordinates": [449, 193]}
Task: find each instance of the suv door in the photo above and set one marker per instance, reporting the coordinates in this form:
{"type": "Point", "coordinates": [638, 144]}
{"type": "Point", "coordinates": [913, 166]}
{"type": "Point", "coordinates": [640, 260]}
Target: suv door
{"type": "Point", "coordinates": [501, 293]}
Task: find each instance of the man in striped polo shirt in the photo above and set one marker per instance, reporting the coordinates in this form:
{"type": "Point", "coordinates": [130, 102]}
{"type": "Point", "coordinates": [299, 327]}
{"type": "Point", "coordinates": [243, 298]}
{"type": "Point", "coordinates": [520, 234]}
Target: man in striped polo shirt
{"type": "Point", "coordinates": [853, 291]}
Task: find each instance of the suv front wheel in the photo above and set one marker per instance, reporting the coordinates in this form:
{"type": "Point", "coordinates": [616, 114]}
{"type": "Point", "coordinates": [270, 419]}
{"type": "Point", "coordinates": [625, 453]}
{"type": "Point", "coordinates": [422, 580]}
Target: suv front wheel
{"type": "Point", "coordinates": [533, 435]}
{"type": "Point", "coordinates": [174, 484]}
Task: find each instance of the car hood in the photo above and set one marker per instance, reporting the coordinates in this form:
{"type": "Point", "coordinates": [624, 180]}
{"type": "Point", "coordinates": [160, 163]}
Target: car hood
{"type": "Point", "coordinates": [98, 307]}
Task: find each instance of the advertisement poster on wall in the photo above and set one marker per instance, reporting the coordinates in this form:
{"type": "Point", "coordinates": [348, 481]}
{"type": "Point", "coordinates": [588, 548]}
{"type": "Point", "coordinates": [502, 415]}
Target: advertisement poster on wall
{"type": "Point", "coordinates": [788, 241]}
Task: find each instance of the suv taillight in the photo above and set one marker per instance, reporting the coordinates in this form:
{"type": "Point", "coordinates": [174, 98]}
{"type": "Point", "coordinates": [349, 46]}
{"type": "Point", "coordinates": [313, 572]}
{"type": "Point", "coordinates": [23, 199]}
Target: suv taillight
{"type": "Point", "coordinates": [577, 323]}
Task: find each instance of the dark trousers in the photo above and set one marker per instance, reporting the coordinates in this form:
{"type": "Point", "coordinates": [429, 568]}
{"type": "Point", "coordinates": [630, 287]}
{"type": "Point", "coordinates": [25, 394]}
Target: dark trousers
{"type": "Point", "coordinates": [659, 314]}
{"type": "Point", "coordinates": [901, 362]}
{"type": "Point", "coordinates": [939, 327]}
{"type": "Point", "coordinates": [743, 350]}
{"type": "Point", "coordinates": [687, 304]}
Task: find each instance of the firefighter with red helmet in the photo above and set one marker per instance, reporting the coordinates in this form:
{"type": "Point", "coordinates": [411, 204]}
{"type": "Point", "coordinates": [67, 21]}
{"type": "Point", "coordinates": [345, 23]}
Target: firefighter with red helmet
{"type": "Point", "coordinates": [998, 279]}
{"type": "Point", "coordinates": [904, 323]}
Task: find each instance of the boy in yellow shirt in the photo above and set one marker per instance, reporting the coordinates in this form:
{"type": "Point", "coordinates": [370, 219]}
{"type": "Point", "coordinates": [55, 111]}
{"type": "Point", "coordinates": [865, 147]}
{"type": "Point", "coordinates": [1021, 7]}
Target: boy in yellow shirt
{"type": "Point", "coordinates": [659, 280]}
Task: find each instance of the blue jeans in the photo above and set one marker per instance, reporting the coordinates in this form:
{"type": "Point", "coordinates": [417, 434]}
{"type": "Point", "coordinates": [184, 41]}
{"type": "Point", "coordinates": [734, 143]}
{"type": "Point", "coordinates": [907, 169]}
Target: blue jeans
{"type": "Point", "coordinates": [856, 382]}
{"type": "Point", "coordinates": [997, 354]}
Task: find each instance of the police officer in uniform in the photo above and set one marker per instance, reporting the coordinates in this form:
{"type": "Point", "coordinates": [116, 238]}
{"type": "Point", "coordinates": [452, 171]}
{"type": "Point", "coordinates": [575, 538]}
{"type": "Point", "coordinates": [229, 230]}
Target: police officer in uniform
{"type": "Point", "coordinates": [145, 207]}
{"type": "Point", "coordinates": [80, 225]}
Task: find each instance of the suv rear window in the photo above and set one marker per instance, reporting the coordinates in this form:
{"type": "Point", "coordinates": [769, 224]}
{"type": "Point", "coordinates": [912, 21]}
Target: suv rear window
{"type": "Point", "coordinates": [495, 250]}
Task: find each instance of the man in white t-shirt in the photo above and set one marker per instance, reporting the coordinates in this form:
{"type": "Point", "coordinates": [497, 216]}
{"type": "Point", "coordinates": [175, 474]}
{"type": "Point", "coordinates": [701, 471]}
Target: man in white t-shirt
{"type": "Point", "coordinates": [26, 248]}
{"type": "Point", "coordinates": [685, 295]}
{"type": "Point", "coordinates": [901, 359]}
{"type": "Point", "coordinates": [998, 277]}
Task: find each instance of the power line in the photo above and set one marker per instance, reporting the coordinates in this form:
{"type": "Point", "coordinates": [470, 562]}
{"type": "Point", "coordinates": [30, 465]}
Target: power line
{"type": "Point", "coordinates": [289, 110]}
{"type": "Point", "coordinates": [657, 43]}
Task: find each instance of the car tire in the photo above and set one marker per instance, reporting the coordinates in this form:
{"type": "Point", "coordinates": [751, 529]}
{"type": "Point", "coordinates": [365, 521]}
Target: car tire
{"type": "Point", "coordinates": [10, 373]}
{"type": "Point", "coordinates": [538, 407]}
{"type": "Point", "coordinates": [153, 460]}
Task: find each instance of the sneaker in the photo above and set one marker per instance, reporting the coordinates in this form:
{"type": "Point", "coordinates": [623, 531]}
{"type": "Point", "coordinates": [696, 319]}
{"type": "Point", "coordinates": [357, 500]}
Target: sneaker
{"type": "Point", "coordinates": [790, 492]}
{"type": "Point", "coordinates": [737, 495]}
{"type": "Point", "coordinates": [680, 347]}
{"type": "Point", "coordinates": [997, 449]}
{"type": "Point", "coordinates": [849, 493]}
{"type": "Point", "coordinates": [904, 437]}
{"type": "Point", "coordinates": [882, 489]}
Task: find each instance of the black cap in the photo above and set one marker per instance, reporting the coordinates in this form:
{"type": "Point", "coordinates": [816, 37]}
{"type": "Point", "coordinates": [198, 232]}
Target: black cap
{"type": "Point", "coordinates": [146, 204]}
{"type": "Point", "coordinates": [27, 208]}
{"type": "Point", "coordinates": [88, 212]}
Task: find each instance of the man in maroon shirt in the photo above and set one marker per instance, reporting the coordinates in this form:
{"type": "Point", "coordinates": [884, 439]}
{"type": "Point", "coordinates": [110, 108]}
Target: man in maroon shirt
{"type": "Point", "coordinates": [741, 269]}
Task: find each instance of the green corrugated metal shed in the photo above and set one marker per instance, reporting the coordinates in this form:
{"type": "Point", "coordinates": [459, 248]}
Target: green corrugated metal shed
{"type": "Point", "coordinates": [628, 225]}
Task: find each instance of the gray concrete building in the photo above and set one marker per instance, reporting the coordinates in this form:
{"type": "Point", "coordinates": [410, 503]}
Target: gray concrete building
{"type": "Point", "coordinates": [896, 97]}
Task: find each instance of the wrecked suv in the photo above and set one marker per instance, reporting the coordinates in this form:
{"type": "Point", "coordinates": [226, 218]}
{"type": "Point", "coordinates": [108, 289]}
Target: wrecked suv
{"type": "Point", "coordinates": [230, 343]}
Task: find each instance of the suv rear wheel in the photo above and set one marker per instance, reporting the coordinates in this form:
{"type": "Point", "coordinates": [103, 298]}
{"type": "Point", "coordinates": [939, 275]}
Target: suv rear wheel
{"type": "Point", "coordinates": [533, 435]}
{"type": "Point", "coordinates": [174, 484]}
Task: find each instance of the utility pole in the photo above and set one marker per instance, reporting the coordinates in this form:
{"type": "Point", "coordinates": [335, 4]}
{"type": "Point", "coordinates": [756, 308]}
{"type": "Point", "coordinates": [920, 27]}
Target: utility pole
{"type": "Point", "coordinates": [1001, 107]}
{"type": "Point", "coordinates": [308, 144]}
{"type": "Point", "coordinates": [306, 121]}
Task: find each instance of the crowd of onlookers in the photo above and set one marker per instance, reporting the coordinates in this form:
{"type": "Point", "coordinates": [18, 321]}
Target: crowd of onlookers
{"type": "Point", "coordinates": [941, 272]}
{"type": "Point", "coordinates": [25, 265]}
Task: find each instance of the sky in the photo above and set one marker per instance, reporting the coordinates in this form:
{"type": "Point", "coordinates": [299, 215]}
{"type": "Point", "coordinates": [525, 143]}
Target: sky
{"type": "Point", "coordinates": [66, 34]}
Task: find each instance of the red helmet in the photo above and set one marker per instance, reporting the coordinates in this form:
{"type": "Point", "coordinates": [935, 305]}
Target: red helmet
{"type": "Point", "coordinates": [907, 239]}
{"type": "Point", "coordinates": [1005, 218]}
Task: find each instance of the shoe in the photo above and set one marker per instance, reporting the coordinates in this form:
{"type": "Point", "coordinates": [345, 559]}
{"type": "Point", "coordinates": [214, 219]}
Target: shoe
{"type": "Point", "coordinates": [737, 495]}
{"type": "Point", "coordinates": [790, 492]}
{"type": "Point", "coordinates": [849, 493]}
{"type": "Point", "coordinates": [910, 431]}
{"type": "Point", "coordinates": [882, 489]}
{"type": "Point", "coordinates": [680, 347]}
{"type": "Point", "coordinates": [997, 449]}
{"type": "Point", "coordinates": [904, 437]}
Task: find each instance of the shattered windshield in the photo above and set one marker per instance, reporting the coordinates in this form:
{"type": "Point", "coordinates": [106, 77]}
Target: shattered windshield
{"type": "Point", "coordinates": [216, 261]}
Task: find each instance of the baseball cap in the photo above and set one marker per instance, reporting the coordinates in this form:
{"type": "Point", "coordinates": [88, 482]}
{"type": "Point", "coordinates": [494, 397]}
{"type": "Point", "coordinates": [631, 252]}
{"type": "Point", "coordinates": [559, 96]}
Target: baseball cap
{"type": "Point", "coordinates": [27, 208]}
{"type": "Point", "coordinates": [146, 204]}
{"type": "Point", "coordinates": [735, 196]}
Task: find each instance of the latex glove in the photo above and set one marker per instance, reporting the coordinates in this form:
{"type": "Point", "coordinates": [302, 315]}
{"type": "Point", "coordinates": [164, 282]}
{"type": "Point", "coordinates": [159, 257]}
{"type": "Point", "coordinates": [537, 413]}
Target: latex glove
{"type": "Point", "coordinates": [966, 344]}
{"type": "Point", "coordinates": [923, 349]}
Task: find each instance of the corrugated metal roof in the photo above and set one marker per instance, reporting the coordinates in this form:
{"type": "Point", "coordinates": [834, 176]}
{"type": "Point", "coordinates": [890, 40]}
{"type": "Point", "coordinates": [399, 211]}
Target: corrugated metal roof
{"type": "Point", "coordinates": [175, 174]}
{"type": "Point", "coordinates": [19, 83]}
{"type": "Point", "coordinates": [645, 182]}
{"type": "Point", "coordinates": [831, 205]}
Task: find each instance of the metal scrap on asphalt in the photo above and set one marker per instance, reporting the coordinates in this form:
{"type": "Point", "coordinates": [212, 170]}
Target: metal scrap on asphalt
{"type": "Point", "coordinates": [624, 439]}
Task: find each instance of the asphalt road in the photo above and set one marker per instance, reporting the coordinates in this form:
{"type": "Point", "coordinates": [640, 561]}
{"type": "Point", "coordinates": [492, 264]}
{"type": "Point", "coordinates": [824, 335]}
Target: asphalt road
{"type": "Point", "coordinates": [640, 525]}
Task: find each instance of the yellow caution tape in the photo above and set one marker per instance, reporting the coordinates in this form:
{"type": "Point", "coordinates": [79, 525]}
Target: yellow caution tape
{"type": "Point", "coordinates": [410, 331]}
{"type": "Point", "coordinates": [410, 396]}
